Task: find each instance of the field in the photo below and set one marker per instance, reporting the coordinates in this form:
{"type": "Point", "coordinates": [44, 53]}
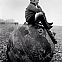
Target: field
{"type": "Point", "coordinates": [6, 29]}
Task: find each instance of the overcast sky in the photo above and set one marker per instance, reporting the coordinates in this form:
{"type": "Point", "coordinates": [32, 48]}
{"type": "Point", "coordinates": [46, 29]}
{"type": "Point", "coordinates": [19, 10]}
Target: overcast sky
{"type": "Point", "coordinates": [14, 9]}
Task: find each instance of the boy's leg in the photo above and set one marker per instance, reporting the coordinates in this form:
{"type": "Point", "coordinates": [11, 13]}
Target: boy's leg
{"type": "Point", "coordinates": [41, 18]}
{"type": "Point", "coordinates": [31, 21]}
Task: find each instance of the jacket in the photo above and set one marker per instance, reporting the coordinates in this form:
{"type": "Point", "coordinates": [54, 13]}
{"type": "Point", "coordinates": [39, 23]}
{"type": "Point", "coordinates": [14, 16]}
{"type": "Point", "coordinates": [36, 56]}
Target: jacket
{"type": "Point", "coordinates": [31, 10]}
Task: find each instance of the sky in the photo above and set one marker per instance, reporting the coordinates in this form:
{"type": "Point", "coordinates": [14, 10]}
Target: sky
{"type": "Point", "coordinates": [15, 9]}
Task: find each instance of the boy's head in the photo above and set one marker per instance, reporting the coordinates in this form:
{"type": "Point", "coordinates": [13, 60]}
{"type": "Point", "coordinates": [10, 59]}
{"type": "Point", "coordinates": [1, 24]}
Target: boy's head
{"type": "Point", "coordinates": [35, 1]}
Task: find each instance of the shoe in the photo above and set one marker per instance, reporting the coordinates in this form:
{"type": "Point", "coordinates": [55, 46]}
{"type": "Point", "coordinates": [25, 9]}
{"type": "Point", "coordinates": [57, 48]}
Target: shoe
{"type": "Point", "coordinates": [50, 23]}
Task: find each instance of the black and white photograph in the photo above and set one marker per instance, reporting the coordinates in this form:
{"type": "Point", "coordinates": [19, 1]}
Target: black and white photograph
{"type": "Point", "coordinates": [30, 30]}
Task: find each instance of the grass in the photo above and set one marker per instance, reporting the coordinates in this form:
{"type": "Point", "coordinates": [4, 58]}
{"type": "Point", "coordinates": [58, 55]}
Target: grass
{"type": "Point", "coordinates": [5, 30]}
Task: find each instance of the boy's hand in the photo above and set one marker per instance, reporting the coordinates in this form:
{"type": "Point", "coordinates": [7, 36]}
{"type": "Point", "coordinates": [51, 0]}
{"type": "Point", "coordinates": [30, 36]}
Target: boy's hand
{"type": "Point", "coordinates": [38, 6]}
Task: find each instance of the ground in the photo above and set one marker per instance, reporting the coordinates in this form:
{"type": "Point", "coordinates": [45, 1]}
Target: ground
{"type": "Point", "coordinates": [31, 34]}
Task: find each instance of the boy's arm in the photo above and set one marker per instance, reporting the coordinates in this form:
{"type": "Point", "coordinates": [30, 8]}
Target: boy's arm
{"type": "Point", "coordinates": [40, 8]}
{"type": "Point", "coordinates": [33, 8]}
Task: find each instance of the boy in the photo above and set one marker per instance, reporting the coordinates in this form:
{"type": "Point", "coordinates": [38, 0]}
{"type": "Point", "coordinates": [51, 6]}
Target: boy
{"type": "Point", "coordinates": [30, 13]}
